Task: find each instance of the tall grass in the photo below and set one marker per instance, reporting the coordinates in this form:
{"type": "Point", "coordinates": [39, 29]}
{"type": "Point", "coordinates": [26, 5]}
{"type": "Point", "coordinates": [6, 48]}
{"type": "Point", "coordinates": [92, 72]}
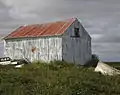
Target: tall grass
{"type": "Point", "coordinates": [56, 78]}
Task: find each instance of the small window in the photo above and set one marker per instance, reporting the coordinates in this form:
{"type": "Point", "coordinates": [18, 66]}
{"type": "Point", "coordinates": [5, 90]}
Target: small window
{"type": "Point", "coordinates": [76, 32]}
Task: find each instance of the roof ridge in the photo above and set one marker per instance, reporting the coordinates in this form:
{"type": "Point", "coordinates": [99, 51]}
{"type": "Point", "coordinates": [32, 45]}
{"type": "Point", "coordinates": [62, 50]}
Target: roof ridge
{"type": "Point", "coordinates": [25, 25]}
{"type": "Point", "coordinates": [45, 29]}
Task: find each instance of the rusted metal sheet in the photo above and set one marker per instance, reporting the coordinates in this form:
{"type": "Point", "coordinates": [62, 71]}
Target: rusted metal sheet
{"type": "Point", "coordinates": [45, 49]}
{"type": "Point", "coordinates": [64, 47]}
{"type": "Point", "coordinates": [48, 29]}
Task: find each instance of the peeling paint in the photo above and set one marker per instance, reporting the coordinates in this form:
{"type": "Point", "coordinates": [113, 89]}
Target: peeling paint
{"type": "Point", "coordinates": [65, 47]}
{"type": "Point", "coordinates": [35, 49]}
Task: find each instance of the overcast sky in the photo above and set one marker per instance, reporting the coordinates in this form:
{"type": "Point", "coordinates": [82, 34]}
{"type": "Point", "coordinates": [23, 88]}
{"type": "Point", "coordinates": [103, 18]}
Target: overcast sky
{"type": "Point", "coordinates": [101, 18]}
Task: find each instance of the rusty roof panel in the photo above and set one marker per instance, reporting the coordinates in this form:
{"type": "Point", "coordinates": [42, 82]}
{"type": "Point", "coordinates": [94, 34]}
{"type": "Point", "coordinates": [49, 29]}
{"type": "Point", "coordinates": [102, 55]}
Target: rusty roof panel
{"type": "Point", "coordinates": [37, 30]}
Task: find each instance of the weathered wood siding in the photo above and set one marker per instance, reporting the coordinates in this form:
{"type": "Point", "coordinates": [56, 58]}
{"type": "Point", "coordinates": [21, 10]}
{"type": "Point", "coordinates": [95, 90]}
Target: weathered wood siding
{"type": "Point", "coordinates": [45, 48]}
{"type": "Point", "coordinates": [65, 47]}
{"type": "Point", "coordinates": [76, 50]}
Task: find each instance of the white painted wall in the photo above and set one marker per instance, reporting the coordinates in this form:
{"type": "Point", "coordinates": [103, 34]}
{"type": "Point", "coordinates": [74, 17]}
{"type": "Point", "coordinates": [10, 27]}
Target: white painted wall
{"type": "Point", "coordinates": [47, 48]}
{"type": "Point", "coordinates": [65, 47]}
{"type": "Point", "coordinates": [76, 50]}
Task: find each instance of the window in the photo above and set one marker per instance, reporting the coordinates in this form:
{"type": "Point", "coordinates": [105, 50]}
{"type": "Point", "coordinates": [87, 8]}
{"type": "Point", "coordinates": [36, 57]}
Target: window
{"type": "Point", "coordinates": [76, 32]}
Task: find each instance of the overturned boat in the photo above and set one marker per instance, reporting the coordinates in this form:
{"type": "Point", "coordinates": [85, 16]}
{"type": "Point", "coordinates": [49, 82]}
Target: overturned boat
{"type": "Point", "coordinates": [17, 62]}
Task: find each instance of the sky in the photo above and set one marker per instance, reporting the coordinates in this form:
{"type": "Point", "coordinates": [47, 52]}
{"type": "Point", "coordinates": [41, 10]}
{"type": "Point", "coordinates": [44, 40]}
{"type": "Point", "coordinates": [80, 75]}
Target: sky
{"type": "Point", "coordinates": [101, 19]}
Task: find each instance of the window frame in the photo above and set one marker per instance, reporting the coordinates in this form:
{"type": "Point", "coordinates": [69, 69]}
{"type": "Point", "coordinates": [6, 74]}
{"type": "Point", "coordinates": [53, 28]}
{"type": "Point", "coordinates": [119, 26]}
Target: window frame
{"type": "Point", "coordinates": [76, 32]}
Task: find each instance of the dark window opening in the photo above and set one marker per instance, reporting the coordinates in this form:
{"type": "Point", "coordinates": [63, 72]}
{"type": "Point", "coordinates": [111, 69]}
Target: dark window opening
{"type": "Point", "coordinates": [76, 31]}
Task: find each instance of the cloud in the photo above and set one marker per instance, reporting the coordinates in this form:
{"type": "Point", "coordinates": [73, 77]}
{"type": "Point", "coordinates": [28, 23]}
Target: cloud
{"type": "Point", "coordinates": [30, 8]}
{"type": "Point", "coordinates": [99, 17]}
{"type": "Point", "coordinates": [107, 51]}
{"type": "Point", "coordinates": [96, 36]}
{"type": "Point", "coordinates": [19, 9]}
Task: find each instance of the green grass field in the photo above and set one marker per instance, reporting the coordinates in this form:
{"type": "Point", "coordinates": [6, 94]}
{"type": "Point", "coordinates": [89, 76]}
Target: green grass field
{"type": "Point", "coordinates": [56, 78]}
{"type": "Point", "coordinates": [114, 64]}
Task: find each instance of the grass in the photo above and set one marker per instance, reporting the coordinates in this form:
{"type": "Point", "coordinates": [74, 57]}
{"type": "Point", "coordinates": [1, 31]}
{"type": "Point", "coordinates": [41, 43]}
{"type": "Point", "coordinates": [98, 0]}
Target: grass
{"type": "Point", "coordinates": [114, 64]}
{"type": "Point", "coordinates": [56, 78]}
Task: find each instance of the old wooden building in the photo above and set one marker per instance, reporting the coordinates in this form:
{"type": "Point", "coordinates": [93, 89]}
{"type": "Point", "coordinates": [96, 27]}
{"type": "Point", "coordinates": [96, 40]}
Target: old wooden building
{"type": "Point", "coordinates": [61, 40]}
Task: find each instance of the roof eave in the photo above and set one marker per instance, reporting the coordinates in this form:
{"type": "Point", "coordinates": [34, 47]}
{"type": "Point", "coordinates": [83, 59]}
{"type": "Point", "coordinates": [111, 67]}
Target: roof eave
{"type": "Point", "coordinates": [58, 35]}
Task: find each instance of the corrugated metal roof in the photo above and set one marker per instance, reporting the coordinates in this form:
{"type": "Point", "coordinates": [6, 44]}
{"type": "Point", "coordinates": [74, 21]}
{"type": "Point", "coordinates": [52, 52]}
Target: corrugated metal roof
{"type": "Point", "coordinates": [37, 30]}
